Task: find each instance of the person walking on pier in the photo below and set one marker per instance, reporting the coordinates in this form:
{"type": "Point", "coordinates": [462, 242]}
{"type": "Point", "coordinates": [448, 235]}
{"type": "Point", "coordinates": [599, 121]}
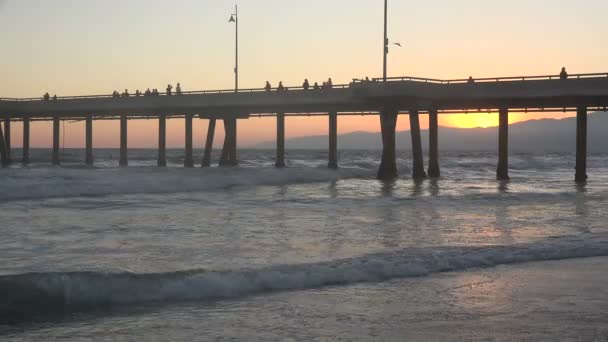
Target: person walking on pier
{"type": "Point", "coordinates": [155, 92]}
{"type": "Point", "coordinates": [115, 94]}
{"type": "Point", "coordinates": [46, 96]}
{"type": "Point", "coordinates": [268, 87]}
{"type": "Point", "coordinates": [280, 88]}
{"type": "Point", "coordinates": [126, 93]}
{"type": "Point", "coordinates": [563, 75]}
{"type": "Point", "coordinates": [148, 92]}
{"type": "Point", "coordinates": [137, 93]}
{"type": "Point", "coordinates": [306, 85]}
{"type": "Point", "coordinates": [178, 89]}
{"type": "Point", "coordinates": [470, 80]}
{"type": "Point", "coordinates": [316, 86]}
{"type": "Point", "coordinates": [330, 84]}
{"type": "Point", "coordinates": [55, 97]}
{"type": "Point", "coordinates": [169, 87]}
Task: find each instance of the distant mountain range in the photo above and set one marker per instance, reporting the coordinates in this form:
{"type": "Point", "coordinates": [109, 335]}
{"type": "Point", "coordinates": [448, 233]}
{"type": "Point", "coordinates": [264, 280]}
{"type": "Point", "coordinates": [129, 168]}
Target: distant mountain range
{"type": "Point", "coordinates": [534, 136]}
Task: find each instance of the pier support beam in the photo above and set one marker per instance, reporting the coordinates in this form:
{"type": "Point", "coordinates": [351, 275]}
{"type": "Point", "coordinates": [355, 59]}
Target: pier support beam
{"type": "Point", "coordinates": [3, 152]}
{"type": "Point", "coordinates": [388, 165]}
{"type": "Point", "coordinates": [581, 145]}
{"type": "Point", "coordinates": [7, 138]}
{"type": "Point", "coordinates": [418, 160]}
{"type": "Point", "coordinates": [502, 171]}
{"type": "Point", "coordinates": [162, 141]}
{"type": "Point", "coordinates": [123, 141]}
{"type": "Point", "coordinates": [333, 140]}
{"type": "Point", "coordinates": [434, 171]}
{"type": "Point", "coordinates": [280, 161]}
{"type": "Point", "coordinates": [228, 157]}
{"type": "Point", "coordinates": [56, 127]}
{"type": "Point", "coordinates": [209, 143]}
{"type": "Point", "coordinates": [25, 155]}
{"type": "Point", "coordinates": [188, 160]}
{"type": "Point", "coordinates": [89, 141]}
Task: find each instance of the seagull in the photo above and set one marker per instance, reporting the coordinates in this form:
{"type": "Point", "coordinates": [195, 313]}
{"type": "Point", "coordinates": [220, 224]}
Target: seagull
{"type": "Point", "coordinates": [398, 44]}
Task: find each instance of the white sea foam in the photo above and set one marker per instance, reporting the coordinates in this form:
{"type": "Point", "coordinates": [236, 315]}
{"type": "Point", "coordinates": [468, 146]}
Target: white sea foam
{"type": "Point", "coordinates": [17, 184]}
{"type": "Point", "coordinates": [33, 293]}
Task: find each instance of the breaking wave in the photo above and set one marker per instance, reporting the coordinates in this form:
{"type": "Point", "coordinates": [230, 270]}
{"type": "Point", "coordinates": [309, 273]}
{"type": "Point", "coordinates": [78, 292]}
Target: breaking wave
{"type": "Point", "coordinates": [26, 296]}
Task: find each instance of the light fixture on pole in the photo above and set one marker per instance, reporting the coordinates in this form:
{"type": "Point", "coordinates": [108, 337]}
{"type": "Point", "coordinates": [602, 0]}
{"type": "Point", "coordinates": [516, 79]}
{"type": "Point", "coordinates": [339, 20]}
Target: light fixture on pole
{"type": "Point", "coordinates": [234, 18]}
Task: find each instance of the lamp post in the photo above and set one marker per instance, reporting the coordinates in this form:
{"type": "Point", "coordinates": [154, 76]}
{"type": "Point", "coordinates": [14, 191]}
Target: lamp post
{"type": "Point", "coordinates": [234, 18]}
{"type": "Point", "coordinates": [385, 42]}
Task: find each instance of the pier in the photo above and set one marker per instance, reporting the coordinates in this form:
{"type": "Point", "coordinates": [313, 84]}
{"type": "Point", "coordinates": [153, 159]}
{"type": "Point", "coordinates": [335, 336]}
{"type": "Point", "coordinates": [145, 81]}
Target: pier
{"type": "Point", "coordinates": [388, 99]}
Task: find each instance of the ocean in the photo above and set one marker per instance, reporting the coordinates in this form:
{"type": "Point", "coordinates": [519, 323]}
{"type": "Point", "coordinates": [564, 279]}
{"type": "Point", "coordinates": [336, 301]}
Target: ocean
{"type": "Point", "coordinates": [302, 253]}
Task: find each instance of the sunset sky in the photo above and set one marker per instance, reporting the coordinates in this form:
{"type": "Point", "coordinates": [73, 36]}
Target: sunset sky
{"type": "Point", "coordinates": [77, 47]}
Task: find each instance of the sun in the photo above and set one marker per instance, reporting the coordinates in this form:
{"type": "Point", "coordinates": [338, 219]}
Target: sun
{"type": "Point", "coordinates": [470, 120]}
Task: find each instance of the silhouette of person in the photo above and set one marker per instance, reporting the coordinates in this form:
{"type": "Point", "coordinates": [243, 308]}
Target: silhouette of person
{"type": "Point", "coordinates": [137, 93]}
{"type": "Point", "coordinates": [148, 92]}
{"type": "Point", "coordinates": [268, 87]}
{"type": "Point", "coordinates": [316, 86]}
{"type": "Point", "coordinates": [126, 93]}
{"type": "Point", "coordinates": [563, 75]}
{"type": "Point", "coordinates": [329, 83]}
{"type": "Point", "coordinates": [306, 85]}
{"type": "Point", "coordinates": [178, 89]}
{"type": "Point", "coordinates": [55, 97]}
{"type": "Point", "coordinates": [46, 96]}
{"type": "Point", "coordinates": [366, 79]}
{"type": "Point", "coordinates": [471, 80]}
{"type": "Point", "coordinates": [169, 87]}
{"type": "Point", "coordinates": [280, 88]}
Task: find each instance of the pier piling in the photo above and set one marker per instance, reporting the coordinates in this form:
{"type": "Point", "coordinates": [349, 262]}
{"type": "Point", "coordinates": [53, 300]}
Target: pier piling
{"type": "Point", "coordinates": [417, 159]}
{"type": "Point", "coordinates": [3, 154]}
{"type": "Point", "coordinates": [333, 140]}
{"type": "Point", "coordinates": [502, 171]}
{"type": "Point", "coordinates": [434, 171]}
{"type": "Point", "coordinates": [228, 157]}
{"type": "Point", "coordinates": [388, 165]}
{"type": "Point", "coordinates": [209, 144]}
{"type": "Point", "coordinates": [25, 152]}
{"type": "Point", "coordinates": [89, 140]}
{"type": "Point", "coordinates": [280, 161]}
{"type": "Point", "coordinates": [162, 141]}
{"type": "Point", "coordinates": [188, 159]}
{"type": "Point", "coordinates": [581, 145]}
{"type": "Point", "coordinates": [7, 138]}
{"type": "Point", "coordinates": [56, 127]}
{"type": "Point", "coordinates": [123, 141]}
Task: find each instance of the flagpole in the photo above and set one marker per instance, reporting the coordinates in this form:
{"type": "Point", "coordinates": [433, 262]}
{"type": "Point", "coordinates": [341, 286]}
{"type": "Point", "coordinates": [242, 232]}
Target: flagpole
{"type": "Point", "coordinates": [236, 61]}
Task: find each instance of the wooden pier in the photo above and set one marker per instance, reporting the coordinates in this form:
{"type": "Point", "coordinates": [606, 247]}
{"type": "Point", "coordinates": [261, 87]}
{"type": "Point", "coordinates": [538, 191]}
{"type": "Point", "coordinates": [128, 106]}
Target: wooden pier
{"type": "Point", "coordinates": [398, 95]}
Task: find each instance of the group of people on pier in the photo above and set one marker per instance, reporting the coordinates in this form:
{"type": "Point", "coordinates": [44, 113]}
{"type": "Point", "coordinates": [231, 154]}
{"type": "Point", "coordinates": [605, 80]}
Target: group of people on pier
{"type": "Point", "coordinates": [148, 92]}
{"type": "Point", "coordinates": [47, 97]}
{"type": "Point", "coordinates": [306, 86]}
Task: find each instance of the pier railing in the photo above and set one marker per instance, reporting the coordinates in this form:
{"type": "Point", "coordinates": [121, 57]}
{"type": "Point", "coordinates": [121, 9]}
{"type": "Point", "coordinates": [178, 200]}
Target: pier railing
{"type": "Point", "coordinates": [339, 86]}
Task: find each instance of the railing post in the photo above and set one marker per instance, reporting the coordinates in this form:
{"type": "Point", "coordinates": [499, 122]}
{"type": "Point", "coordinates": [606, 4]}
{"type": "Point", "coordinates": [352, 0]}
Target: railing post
{"type": "Point", "coordinates": [89, 140]}
{"type": "Point", "coordinates": [209, 143]}
{"type": "Point", "coordinates": [280, 159]}
{"type": "Point", "coordinates": [418, 160]}
{"type": "Point", "coordinates": [123, 141]}
{"type": "Point", "coordinates": [188, 159]}
{"type": "Point", "coordinates": [434, 171]}
{"type": "Point", "coordinates": [25, 152]}
{"type": "Point", "coordinates": [502, 171]}
{"type": "Point", "coordinates": [333, 140]}
{"type": "Point", "coordinates": [162, 140]}
{"type": "Point", "coordinates": [581, 145]}
{"type": "Point", "coordinates": [7, 138]}
{"type": "Point", "coordinates": [388, 165]}
{"type": "Point", "coordinates": [56, 127]}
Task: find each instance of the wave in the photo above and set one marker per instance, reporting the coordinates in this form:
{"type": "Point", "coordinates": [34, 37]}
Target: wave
{"type": "Point", "coordinates": [20, 184]}
{"type": "Point", "coordinates": [26, 296]}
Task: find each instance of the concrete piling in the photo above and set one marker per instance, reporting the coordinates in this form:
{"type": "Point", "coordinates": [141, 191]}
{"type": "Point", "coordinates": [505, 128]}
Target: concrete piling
{"type": "Point", "coordinates": [581, 145]}
{"type": "Point", "coordinates": [25, 152]}
{"type": "Point", "coordinates": [3, 152]}
{"type": "Point", "coordinates": [209, 143]}
{"type": "Point", "coordinates": [7, 138]}
{"type": "Point", "coordinates": [280, 159]}
{"type": "Point", "coordinates": [502, 171]}
{"type": "Point", "coordinates": [123, 141]}
{"type": "Point", "coordinates": [89, 140]}
{"type": "Point", "coordinates": [417, 158]}
{"type": "Point", "coordinates": [162, 141]}
{"type": "Point", "coordinates": [333, 140]}
{"type": "Point", "coordinates": [188, 159]}
{"type": "Point", "coordinates": [434, 171]}
{"type": "Point", "coordinates": [388, 165]}
{"type": "Point", "coordinates": [56, 131]}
